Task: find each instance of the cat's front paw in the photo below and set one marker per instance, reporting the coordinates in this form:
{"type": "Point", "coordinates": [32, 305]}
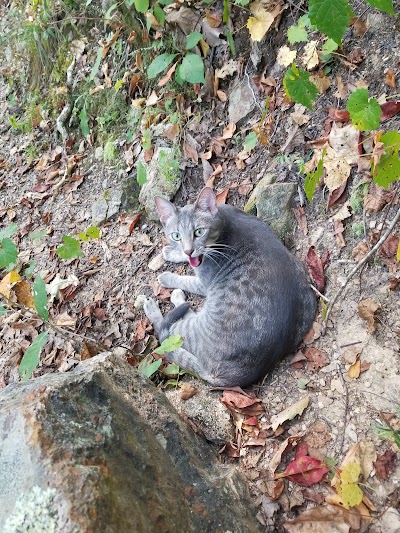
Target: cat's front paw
{"type": "Point", "coordinates": [167, 279]}
{"type": "Point", "coordinates": [151, 309]}
{"type": "Point", "coordinates": [173, 255]}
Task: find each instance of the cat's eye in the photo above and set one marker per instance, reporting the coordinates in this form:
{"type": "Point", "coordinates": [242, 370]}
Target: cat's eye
{"type": "Point", "coordinates": [176, 236]}
{"type": "Point", "coordinates": [199, 232]}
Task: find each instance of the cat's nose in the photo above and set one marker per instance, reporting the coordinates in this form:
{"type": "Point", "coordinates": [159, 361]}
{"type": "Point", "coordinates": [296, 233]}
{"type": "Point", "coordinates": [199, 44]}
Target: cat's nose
{"type": "Point", "coordinates": [188, 252]}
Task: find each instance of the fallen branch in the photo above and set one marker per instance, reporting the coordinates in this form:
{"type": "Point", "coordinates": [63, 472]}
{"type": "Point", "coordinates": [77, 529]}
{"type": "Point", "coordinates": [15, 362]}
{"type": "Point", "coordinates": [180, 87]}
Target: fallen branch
{"type": "Point", "coordinates": [358, 266]}
{"type": "Point", "coordinates": [67, 109]}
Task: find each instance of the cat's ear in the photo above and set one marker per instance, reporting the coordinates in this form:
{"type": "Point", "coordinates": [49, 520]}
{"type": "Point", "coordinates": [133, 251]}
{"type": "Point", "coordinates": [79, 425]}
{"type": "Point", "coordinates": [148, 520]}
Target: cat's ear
{"type": "Point", "coordinates": [206, 201]}
{"type": "Point", "coordinates": [165, 209]}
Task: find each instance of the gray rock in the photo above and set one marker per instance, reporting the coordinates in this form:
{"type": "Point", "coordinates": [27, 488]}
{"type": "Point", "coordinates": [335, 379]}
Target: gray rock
{"type": "Point", "coordinates": [250, 206]}
{"type": "Point", "coordinates": [241, 101]}
{"type": "Point", "coordinates": [99, 211]}
{"type": "Point", "coordinates": [100, 449]}
{"type": "Point", "coordinates": [163, 179]}
{"type": "Point", "coordinates": [273, 204]}
{"type": "Point", "coordinates": [107, 206]}
{"type": "Point", "coordinates": [274, 207]}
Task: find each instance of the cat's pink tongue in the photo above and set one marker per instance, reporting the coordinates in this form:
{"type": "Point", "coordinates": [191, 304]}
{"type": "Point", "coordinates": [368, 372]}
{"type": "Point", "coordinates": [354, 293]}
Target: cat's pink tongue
{"type": "Point", "coordinates": [195, 261]}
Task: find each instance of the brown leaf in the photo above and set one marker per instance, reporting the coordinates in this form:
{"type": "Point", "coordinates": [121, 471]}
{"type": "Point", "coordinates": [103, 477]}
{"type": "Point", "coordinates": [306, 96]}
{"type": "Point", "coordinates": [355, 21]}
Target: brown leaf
{"type": "Point", "coordinates": [390, 109]}
{"type": "Point", "coordinates": [24, 294]}
{"type": "Point", "coordinates": [187, 391]}
{"type": "Point", "coordinates": [171, 131]}
{"type": "Point", "coordinates": [338, 231]}
{"type": "Point", "coordinates": [360, 251]}
{"type": "Point", "coordinates": [222, 196]}
{"type": "Point", "coordinates": [136, 81]}
{"type": "Point", "coordinates": [316, 358]}
{"type": "Point", "coordinates": [394, 283]}
{"type": "Point", "coordinates": [134, 221]}
{"type": "Point", "coordinates": [359, 27]}
{"type": "Point", "coordinates": [319, 519]}
{"type": "Point", "coordinates": [367, 309]}
{"type": "Point", "coordinates": [65, 320]}
{"type": "Point", "coordinates": [214, 19]}
{"type": "Point", "coordinates": [229, 131]}
{"type": "Point", "coordinates": [222, 95]}
{"type": "Point", "coordinates": [190, 152]}
{"type": "Point", "coordinates": [242, 403]}
{"type": "Point", "coordinates": [355, 369]}
{"type": "Point", "coordinates": [316, 268]}
{"type": "Point", "coordinates": [338, 115]}
{"type": "Point", "coordinates": [300, 216]}
{"type": "Point", "coordinates": [385, 464]}
{"type": "Point", "coordinates": [356, 56]}
{"type": "Point", "coordinates": [377, 198]}
{"type": "Point", "coordinates": [390, 79]}
{"type": "Point", "coordinates": [230, 449]}
{"type": "Point", "coordinates": [168, 76]}
{"type": "Point", "coordinates": [390, 246]}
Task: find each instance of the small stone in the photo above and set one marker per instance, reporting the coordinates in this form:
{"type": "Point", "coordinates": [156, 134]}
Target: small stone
{"type": "Point", "coordinates": [274, 207]}
{"type": "Point", "coordinates": [114, 203]}
{"type": "Point", "coordinates": [241, 101]}
{"type": "Point", "coordinates": [139, 302]}
{"type": "Point", "coordinates": [157, 262]}
{"type": "Point", "coordinates": [98, 154]}
{"type": "Point", "coordinates": [99, 211]}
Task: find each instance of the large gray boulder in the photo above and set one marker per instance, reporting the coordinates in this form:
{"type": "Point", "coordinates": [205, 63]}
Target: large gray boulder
{"type": "Point", "coordinates": [100, 449]}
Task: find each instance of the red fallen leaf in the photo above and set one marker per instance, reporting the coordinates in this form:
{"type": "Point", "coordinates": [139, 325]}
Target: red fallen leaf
{"type": "Point", "coordinates": [336, 195]}
{"type": "Point", "coordinates": [338, 115]}
{"type": "Point", "coordinates": [252, 421]}
{"type": "Point", "coordinates": [134, 222]}
{"type": "Point", "coordinates": [316, 358]}
{"type": "Point", "coordinates": [222, 196]}
{"type": "Point", "coordinates": [41, 187]}
{"type": "Point", "coordinates": [390, 109]}
{"type": "Point", "coordinates": [305, 471]}
{"type": "Point", "coordinates": [385, 464]}
{"type": "Point", "coordinates": [244, 404]}
{"type": "Point", "coordinates": [301, 450]}
{"type": "Point", "coordinates": [316, 268]}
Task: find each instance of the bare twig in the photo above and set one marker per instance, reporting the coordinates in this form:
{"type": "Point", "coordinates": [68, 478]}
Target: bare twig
{"type": "Point", "coordinates": [67, 109]}
{"type": "Point", "coordinates": [358, 266]}
{"type": "Point", "coordinates": [319, 294]}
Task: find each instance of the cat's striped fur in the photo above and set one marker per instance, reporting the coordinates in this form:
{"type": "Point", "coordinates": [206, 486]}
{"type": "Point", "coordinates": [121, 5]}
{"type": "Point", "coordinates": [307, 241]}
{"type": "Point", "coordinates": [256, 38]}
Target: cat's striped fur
{"type": "Point", "coordinates": [258, 304]}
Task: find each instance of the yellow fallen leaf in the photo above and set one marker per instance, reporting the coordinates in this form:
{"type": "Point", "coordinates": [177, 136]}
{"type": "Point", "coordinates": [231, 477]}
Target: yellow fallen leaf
{"type": "Point", "coordinates": [310, 56]}
{"type": "Point", "coordinates": [348, 489]}
{"type": "Point", "coordinates": [260, 22]}
{"type": "Point", "coordinates": [23, 293]}
{"type": "Point", "coordinates": [7, 282]}
{"type": "Point", "coordinates": [285, 56]}
{"type": "Point", "coordinates": [289, 413]}
{"type": "Point", "coordinates": [355, 370]}
{"type": "Point", "coordinates": [337, 170]}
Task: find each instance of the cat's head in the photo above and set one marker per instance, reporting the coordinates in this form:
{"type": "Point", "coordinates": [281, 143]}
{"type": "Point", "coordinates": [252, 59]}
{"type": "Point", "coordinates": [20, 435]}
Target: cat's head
{"type": "Point", "coordinates": [193, 227]}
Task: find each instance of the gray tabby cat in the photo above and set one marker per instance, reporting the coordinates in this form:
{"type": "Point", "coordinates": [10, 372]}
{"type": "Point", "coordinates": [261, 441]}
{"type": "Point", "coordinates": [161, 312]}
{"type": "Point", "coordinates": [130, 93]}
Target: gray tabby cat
{"type": "Point", "coordinates": [258, 305]}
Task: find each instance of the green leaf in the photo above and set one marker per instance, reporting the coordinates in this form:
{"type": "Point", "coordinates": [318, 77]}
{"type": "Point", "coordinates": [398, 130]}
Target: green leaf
{"type": "Point", "coordinates": [192, 69]}
{"type": "Point", "coordinates": [146, 140]}
{"type": "Point", "coordinates": [225, 14]}
{"type": "Point", "coordinates": [40, 297]}
{"type": "Point", "coordinates": [148, 367]}
{"type": "Point", "coordinates": [28, 271]}
{"type": "Point", "coordinates": [304, 22]}
{"type": "Point", "coordinates": [84, 121]}
{"type": "Point", "coordinates": [328, 47]}
{"type": "Point", "coordinates": [70, 249]}
{"type": "Point", "coordinates": [250, 141]}
{"type": "Point", "coordinates": [8, 253]}
{"type": "Point", "coordinates": [159, 14]}
{"type": "Point", "coordinates": [171, 370]}
{"type": "Point", "coordinates": [298, 86]}
{"type": "Point", "coordinates": [95, 68]}
{"type": "Point", "coordinates": [312, 178]}
{"type": "Point", "coordinates": [10, 230]}
{"type": "Point", "coordinates": [331, 17]}
{"type": "Point", "coordinates": [297, 35]}
{"type": "Point", "coordinates": [364, 112]}
{"type": "Point", "coordinates": [383, 5]}
{"type": "Point", "coordinates": [31, 357]}
{"type": "Point", "coordinates": [118, 85]}
{"type": "Point", "coordinates": [169, 345]}
{"type": "Point", "coordinates": [93, 232]}
{"type": "Point", "coordinates": [192, 39]}
{"type": "Point", "coordinates": [3, 310]}
{"type": "Point", "coordinates": [388, 169]}
{"type": "Point", "coordinates": [159, 64]}
{"type": "Point", "coordinates": [141, 175]}
{"type": "Point", "coordinates": [178, 78]}
{"type": "Point", "coordinates": [141, 5]}
{"type": "Point", "coordinates": [231, 42]}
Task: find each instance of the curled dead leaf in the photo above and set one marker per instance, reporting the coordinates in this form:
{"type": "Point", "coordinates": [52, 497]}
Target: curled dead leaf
{"type": "Point", "coordinates": [367, 309]}
{"type": "Point", "coordinates": [187, 391]}
{"type": "Point", "coordinates": [289, 413]}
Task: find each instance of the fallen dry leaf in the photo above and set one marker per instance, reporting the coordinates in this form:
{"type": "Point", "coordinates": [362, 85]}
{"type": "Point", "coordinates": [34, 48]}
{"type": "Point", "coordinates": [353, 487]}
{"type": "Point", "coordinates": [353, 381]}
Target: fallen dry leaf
{"type": "Point", "coordinates": [345, 143]}
{"type": "Point", "coordinates": [316, 268]}
{"type": "Point", "coordinates": [300, 216]}
{"type": "Point", "coordinates": [367, 309]}
{"type": "Point", "coordinates": [321, 519]}
{"type": "Point", "coordinates": [242, 403]}
{"type": "Point", "coordinates": [355, 369]}
{"type": "Point", "coordinates": [230, 449]}
{"type": "Point", "coordinates": [338, 115]}
{"type": "Point", "coordinates": [390, 109]}
{"type": "Point", "coordinates": [261, 20]}
{"type": "Point", "coordinates": [65, 320]}
{"type": "Point", "coordinates": [390, 79]}
{"type": "Point", "coordinates": [288, 443]}
{"type": "Point", "coordinates": [337, 169]}
{"type": "Point", "coordinates": [190, 152]}
{"type": "Point", "coordinates": [321, 80]}
{"type": "Point", "coordinates": [289, 413]}
{"type": "Point", "coordinates": [385, 464]}
{"type": "Point", "coordinates": [23, 293]}
{"type": "Point", "coordinates": [376, 198]}
{"type": "Point", "coordinates": [229, 131]}
{"type": "Point", "coordinates": [318, 435]}
{"type": "Point", "coordinates": [8, 282]}
{"type": "Point", "coordinates": [316, 358]}
{"type": "Point", "coordinates": [168, 76]}
{"type": "Point", "coordinates": [222, 196]}
{"type": "Point", "coordinates": [285, 56]}
{"type": "Point", "coordinates": [304, 470]}
{"type": "Point", "coordinates": [187, 391]}
{"type": "Point", "coordinates": [360, 251]}
{"type": "Point", "coordinates": [359, 27]}
{"type": "Point", "coordinates": [310, 55]}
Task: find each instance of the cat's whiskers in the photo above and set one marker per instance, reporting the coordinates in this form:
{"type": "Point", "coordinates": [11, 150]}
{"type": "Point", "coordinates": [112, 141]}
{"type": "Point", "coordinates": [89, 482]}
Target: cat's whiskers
{"type": "Point", "coordinates": [215, 251]}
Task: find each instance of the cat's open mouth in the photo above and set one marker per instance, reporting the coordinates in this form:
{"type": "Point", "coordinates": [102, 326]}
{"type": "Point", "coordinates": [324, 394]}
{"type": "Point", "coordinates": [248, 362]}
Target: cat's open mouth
{"type": "Point", "coordinates": [195, 261]}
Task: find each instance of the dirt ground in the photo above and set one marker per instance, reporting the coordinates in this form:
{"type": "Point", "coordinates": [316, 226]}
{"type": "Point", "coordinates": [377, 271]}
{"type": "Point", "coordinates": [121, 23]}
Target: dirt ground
{"type": "Point", "coordinates": [114, 270]}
